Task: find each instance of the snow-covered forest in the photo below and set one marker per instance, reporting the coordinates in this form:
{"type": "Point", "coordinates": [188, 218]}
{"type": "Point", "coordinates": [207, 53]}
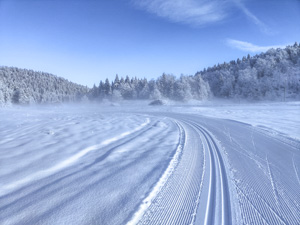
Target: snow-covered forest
{"type": "Point", "coordinates": [166, 86]}
{"type": "Point", "coordinates": [22, 86]}
{"type": "Point", "coordinates": [273, 75]}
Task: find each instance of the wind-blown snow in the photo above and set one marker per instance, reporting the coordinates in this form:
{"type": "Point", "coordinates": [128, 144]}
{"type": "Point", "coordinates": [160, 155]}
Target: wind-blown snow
{"type": "Point", "coordinates": [282, 117]}
{"type": "Point", "coordinates": [162, 181]}
{"type": "Point", "coordinates": [67, 162]}
{"type": "Point", "coordinates": [64, 160]}
{"type": "Point", "coordinates": [136, 164]}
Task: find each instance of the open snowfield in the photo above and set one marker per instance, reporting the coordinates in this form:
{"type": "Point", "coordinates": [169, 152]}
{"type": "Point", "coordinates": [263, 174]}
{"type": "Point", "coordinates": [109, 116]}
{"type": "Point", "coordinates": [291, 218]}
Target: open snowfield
{"type": "Point", "coordinates": [131, 163]}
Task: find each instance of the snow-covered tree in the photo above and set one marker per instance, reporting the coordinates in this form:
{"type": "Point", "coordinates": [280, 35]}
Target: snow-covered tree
{"type": "Point", "coordinates": [107, 88]}
{"type": "Point", "coordinates": [165, 85]}
{"type": "Point", "coordinates": [116, 95]}
{"type": "Point", "coordinates": [273, 75]}
{"type": "Point", "coordinates": [22, 86]}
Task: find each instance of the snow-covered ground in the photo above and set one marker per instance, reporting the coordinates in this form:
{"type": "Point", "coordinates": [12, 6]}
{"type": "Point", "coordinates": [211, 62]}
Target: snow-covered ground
{"type": "Point", "coordinates": [64, 166]}
{"type": "Point", "coordinates": [281, 117]}
{"type": "Point", "coordinates": [133, 163]}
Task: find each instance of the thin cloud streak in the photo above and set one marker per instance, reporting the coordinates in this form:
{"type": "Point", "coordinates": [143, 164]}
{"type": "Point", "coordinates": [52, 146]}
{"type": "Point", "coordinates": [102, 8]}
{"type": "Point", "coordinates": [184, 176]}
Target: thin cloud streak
{"type": "Point", "coordinates": [192, 12]}
{"type": "Point", "coordinates": [198, 12]}
{"type": "Point", "coordinates": [249, 47]}
{"type": "Point", "coordinates": [263, 27]}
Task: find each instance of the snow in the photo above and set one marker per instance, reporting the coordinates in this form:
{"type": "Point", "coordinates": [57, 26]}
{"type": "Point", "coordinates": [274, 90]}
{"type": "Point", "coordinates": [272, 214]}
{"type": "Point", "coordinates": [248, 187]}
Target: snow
{"type": "Point", "coordinates": [66, 162]}
{"type": "Point", "coordinates": [54, 161]}
{"type": "Point", "coordinates": [159, 185]}
{"type": "Point", "coordinates": [130, 163]}
{"type": "Point", "coordinates": [277, 117]}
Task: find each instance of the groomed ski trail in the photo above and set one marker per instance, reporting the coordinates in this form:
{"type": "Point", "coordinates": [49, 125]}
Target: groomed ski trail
{"type": "Point", "coordinates": [179, 197]}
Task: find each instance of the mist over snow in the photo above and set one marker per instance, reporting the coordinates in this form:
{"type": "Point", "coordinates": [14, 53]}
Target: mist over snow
{"type": "Point", "coordinates": [273, 75]}
{"type": "Point", "coordinates": [128, 162]}
{"type": "Point", "coordinates": [149, 112]}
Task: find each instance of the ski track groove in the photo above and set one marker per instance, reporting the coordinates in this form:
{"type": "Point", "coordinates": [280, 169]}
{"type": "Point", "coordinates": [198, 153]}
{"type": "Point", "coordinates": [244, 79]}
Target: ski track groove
{"type": "Point", "coordinates": [295, 169]}
{"type": "Point", "coordinates": [178, 198]}
{"type": "Point", "coordinates": [215, 156]}
{"type": "Point", "coordinates": [276, 210]}
{"type": "Point", "coordinates": [272, 183]}
{"type": "Point", "coordinates": [287, 201]}
{"type": "Point", "coordinates": [210, 209]}
{"type": "Point", "coordinates": [246, 212]}
{"type": "Point", "coordinates": [115, 145]}
{"type": "Point", "coordinates": [263, 197]}
{"type": "Point", "coordinates": [283, 208]}
{"type": "Point", "coordinates": [158, 198]}
{"type": "Point", "coordinates": [177, 201]}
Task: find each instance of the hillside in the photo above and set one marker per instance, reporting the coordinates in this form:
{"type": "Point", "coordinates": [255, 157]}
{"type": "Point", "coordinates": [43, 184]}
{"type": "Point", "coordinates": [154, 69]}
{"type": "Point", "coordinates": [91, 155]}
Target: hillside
{"type": "Point", "coordinates": [22, 86]}
{"type": "Point", "coordinates": [273, 75]}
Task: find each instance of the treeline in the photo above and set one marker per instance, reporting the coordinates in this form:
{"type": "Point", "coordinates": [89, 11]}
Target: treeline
{"type": "Point", "coordinates": [166, 86]}
{"type": "Point", "coordinates": [274, 75]}
{"type": "Point", "coordinates": [22, 86]}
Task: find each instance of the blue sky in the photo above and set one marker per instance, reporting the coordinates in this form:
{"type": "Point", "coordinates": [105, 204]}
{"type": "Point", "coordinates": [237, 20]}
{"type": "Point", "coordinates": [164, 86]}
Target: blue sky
{"type": "Point", "coordinates": [86, 41]}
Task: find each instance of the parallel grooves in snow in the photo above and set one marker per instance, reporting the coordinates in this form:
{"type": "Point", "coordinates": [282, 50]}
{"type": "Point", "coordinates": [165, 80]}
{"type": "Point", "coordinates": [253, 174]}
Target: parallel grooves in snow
{"type": "Point", "coordinates": [93, 173]}
{"type": "Point", "coordinates": [266, 183]}
{"type": "Point", "coordinates": [263, 198]}
{"type": "Point", "coordinates": [217, 182]}
{"type": "Point", "coordinates": [163, 179]}
{"type": "Point", "coordinates": [67, 162]}
{"type": "Point", "coordinates": [178, 198]}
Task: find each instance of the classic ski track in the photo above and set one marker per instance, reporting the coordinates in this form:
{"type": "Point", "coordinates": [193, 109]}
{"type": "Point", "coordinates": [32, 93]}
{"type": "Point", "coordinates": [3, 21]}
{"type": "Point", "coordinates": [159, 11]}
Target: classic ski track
{"type": "Point", "coordinates": [178, 199]}
{"type": "Point", "coordinates": [86, 168]}
{"type": "Point", "coordinates": [198, 177]}
{"type": "Point", "coordinates": [217, 181]}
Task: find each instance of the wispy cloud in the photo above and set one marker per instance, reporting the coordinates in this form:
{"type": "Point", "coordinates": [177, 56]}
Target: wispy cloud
{"type": "Point", "coordinates": [192, 12]}
{"type": "Point", "coordinates": [249, 47]}
{"type": "Point", "coordinates": [262, 26]}
{"type": "Point", "coordinates": [199, 12]}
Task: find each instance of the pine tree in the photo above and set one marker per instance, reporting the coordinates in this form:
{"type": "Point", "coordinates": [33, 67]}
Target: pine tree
{"type": "Point", "coordinates": [107, 88]}
{"type": "Point", "coordinates": [116, 83]}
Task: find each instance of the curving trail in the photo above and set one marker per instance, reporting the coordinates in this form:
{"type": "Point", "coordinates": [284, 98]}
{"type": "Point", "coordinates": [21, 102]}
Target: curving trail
{"type": "Point", "coordinates": [199, 177]}
{"type": "Point", "coordinates": [148, 168]}
{"type": "Point", "coordinates": [86, 182]}
{"type": "Point", "coordinates": [177, 201]}
{"type": "Point", "coordinates": [229, 173]}
{"type": "Point", "coordinates": [217, 184]}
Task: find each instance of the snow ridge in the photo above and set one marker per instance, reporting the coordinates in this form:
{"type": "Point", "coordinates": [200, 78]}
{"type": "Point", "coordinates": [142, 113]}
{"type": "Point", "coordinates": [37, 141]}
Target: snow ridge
{"type": "Point", "coordinates": [162, 181]}
{"type": "Point", "coordinates": [217, 182]}
{"type": "Point", "coordinates": [71, 160]}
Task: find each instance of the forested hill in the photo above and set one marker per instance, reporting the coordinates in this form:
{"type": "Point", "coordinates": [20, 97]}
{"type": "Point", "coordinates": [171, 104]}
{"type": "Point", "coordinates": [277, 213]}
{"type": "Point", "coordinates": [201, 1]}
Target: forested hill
{"type": "Point", "coordinates": [273, 75]}
{"type": "Point", "coordinates": [22, 86]}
